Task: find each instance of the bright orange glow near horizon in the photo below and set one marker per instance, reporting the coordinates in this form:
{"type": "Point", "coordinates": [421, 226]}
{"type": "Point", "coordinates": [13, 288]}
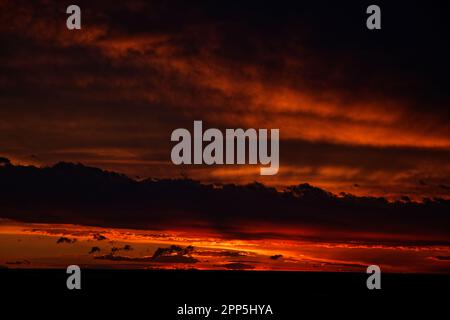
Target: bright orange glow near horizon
{"type": "Point", "coordinates": [26, 245]}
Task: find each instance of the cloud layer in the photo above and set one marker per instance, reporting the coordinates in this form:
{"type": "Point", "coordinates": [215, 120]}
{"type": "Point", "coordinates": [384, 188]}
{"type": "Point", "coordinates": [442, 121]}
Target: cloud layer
{"type": "Point", "coordinates": [76, 194]}
{"type": "Point", "coordinates": [353, 107]}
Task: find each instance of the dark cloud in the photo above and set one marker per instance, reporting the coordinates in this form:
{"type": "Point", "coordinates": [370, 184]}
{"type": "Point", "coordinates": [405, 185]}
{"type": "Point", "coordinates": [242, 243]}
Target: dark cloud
{"type": "Point", "coordinates": [126, 247]}
{"type": "Point", "coordinates": [172, 254]}
{"type": "Point", "coordinates": [65, 240]}
{"type": "Point", "coordinates": [94, 250]}
{"type": "Point", "coordinates": [73, 193]}
{"type": "Point", "coordinates": [163, 259]}
{"type": "Point", "coordinates": [4, 161]}
{"type": "Point", "coordinates": [442, 258]}
{"type": "Point", "coordinates": [172, 251]}
{"type": "Point", "coordinates": [276, 257]}
{"type": "Point", "coordinates": [99, 237]}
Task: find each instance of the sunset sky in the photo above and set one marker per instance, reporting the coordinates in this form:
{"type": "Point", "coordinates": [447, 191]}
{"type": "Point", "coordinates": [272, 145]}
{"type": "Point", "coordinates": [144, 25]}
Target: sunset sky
{"type": "Point", "coordinates": [360, 112]}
